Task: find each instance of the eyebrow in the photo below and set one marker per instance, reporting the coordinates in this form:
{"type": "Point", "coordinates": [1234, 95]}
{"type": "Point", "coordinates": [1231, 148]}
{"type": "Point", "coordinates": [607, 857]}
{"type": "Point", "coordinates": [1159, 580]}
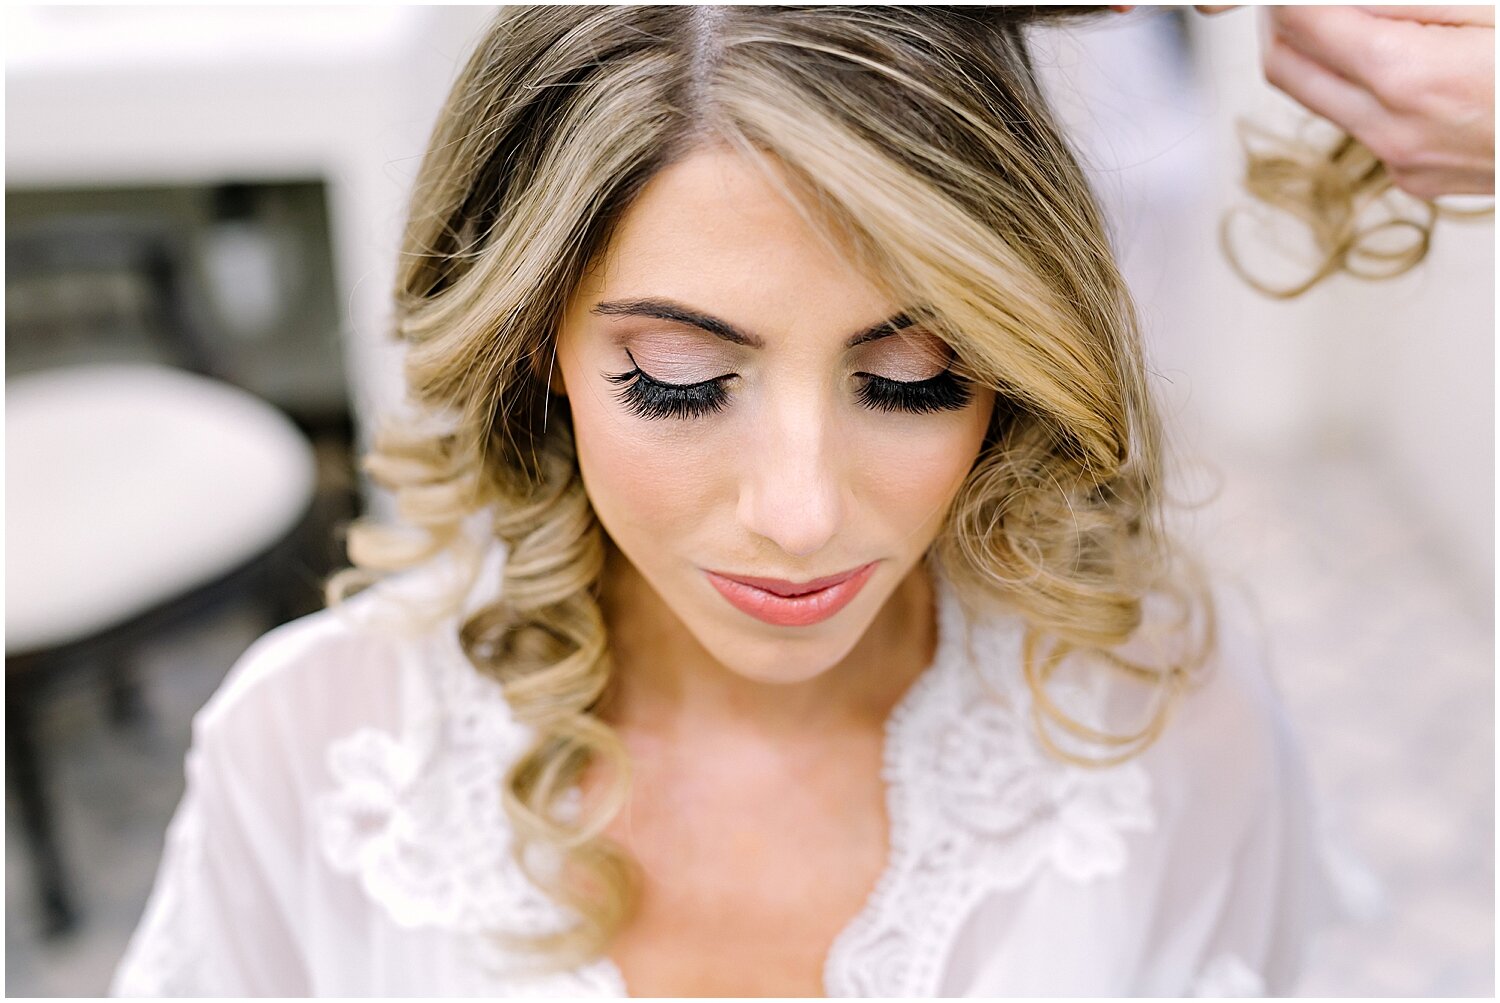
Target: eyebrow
{"type": "Point", "coordinates": [664, 309]}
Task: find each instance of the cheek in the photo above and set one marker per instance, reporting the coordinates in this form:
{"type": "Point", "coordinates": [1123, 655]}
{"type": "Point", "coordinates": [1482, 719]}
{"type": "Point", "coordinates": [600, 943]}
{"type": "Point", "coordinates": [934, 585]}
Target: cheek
{"type": "Point", "coordinates": [645, 483]}
{"type": "Point", "coordinates": [912, 477]}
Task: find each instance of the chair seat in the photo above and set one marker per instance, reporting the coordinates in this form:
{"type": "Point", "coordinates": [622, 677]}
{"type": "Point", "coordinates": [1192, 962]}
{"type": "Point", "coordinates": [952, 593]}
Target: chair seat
{"type": "Point", "coordinates": [130, 485]}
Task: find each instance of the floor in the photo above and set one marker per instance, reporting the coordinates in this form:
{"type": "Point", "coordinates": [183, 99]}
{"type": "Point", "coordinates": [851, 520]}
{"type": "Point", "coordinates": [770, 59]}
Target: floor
{"type": "Point", "coordinates": [1386, 664]}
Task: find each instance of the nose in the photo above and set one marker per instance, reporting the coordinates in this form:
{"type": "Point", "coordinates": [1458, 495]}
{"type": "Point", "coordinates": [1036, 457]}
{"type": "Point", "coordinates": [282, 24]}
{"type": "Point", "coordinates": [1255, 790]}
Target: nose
{"type": "Point", "coordinates": [792, 490]}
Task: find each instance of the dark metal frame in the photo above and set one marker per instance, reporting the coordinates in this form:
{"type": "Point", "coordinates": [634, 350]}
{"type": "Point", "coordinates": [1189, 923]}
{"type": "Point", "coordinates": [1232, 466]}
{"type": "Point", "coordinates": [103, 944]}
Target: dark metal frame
{"type": "Point", "coordinates": [154, 250]}
{"type": "Point", "coordinates": [32, 677]}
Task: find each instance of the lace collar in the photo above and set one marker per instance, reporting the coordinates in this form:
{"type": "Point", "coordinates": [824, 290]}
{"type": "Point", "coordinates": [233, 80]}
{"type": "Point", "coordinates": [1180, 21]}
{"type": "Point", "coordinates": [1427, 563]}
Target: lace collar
{"type": "Point", "coordinates": [976, 806]}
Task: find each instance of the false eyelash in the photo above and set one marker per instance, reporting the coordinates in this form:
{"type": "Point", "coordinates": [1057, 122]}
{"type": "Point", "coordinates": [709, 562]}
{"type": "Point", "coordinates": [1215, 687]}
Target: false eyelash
{"type": "Point", "coordinates": [651, 399]}
{"type": "Point", "coordinates": [648, 398]}
{"type": "Point", "coordinates": [944, 392]}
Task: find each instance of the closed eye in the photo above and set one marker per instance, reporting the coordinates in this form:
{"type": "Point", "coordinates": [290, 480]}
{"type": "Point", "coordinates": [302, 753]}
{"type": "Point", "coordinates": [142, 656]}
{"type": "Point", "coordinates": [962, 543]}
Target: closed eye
{"type": "Point", "coordinates": [946, 391]}
{"type": "Point", "coordinates": [653, 399]}
{"type": "Point", "coordinates": [650, 398]}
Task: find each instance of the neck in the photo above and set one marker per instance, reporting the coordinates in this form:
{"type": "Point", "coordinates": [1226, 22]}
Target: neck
{"type": "Point", "coordinates": [666, 685]}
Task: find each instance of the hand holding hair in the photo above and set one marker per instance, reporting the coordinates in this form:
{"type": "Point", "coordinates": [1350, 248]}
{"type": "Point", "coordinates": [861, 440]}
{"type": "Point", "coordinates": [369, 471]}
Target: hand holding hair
{"type": "Point", "coordinates": [1416, 85]}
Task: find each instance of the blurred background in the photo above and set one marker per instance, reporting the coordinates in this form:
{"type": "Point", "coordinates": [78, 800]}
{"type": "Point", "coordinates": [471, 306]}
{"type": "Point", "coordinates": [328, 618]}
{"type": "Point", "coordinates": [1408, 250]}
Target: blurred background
{"type": "Point", "coordinates": [202, 208]}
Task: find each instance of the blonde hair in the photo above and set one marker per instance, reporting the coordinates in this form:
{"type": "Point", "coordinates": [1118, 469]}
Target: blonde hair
{"type": "Point", "coordinates": [918, 141]}
{"type": "Point", "coordinates": [1358, 222]}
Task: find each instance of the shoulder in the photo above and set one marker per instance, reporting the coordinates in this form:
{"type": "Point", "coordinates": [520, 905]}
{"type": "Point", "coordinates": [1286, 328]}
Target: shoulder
{"type": "Point", "coordinates": [1234, 703]}
{"type": "Point", "coordinates": [377, 745]}
{"type": "Point", "coordinates": [317, 664]}
{"type": "Point", "coordinates": [1230, 756]}
{"type": "Point", "coordinates": [1242, 817]}
{"type": "Point", "coordinates": [372, 660]}
{"type": "Point", "coordinates": [1226, 718]}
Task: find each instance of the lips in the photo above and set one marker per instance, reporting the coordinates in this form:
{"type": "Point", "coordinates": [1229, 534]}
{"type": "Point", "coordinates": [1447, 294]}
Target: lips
{"type": "Point", "coordinates": [791, 604]}
{"type": "Point", "coordinates": [782, 587]}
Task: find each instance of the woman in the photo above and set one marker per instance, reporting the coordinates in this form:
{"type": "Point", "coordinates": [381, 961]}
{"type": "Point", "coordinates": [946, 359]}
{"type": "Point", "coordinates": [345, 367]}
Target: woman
{"type": "Point", "coordinates": [784, 604]}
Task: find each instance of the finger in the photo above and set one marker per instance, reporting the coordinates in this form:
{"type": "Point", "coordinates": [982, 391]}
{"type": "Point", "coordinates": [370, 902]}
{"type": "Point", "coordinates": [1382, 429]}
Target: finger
{"type": "Point", "coordinates": [1471, 14]}
{"type": "Point", "coordinates": [1211, 9]}
{"type": "Point", "coordinates": [1343, 102]}
{"type": "Point", "coordinates": [1346, 41]}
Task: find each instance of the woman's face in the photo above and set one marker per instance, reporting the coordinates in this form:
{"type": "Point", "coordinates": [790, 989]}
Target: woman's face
{"type": "Point", "coordinates": [786, 459]}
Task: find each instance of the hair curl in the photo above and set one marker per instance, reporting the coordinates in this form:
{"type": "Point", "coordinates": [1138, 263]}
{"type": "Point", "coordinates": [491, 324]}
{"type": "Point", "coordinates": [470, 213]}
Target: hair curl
{"type": "Point", "coordinates": [1359, 223]}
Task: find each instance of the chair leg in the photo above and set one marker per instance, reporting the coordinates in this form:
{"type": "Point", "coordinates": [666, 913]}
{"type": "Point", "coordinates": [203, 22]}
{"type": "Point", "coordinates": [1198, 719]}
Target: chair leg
{"type": "Point", "coordinates": [23, 767]}
{"type": "Point", "coordinates": [284, 589]}
{"type": "Point", "coordinates": [123, 692]}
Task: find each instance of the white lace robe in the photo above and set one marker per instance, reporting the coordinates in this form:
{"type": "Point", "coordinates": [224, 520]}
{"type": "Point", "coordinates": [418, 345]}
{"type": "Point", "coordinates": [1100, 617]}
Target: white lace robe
{"type": "Point", "coordinates": [341, 832]}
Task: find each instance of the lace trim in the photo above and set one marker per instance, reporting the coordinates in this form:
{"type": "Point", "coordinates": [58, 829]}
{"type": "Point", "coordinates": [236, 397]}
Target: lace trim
{"type": "Point", "coordinates": [976, 806]}
{"type": "Point", "coordinates": [418, 819]}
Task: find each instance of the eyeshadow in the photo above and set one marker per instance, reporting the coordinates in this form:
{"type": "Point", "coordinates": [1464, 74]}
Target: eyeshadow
{"type": "Point", "coordinates": [909, 356]}
{"type": "Point", "coordinates": [679, 356]}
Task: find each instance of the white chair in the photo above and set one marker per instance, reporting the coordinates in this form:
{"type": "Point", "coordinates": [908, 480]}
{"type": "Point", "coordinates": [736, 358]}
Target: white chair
{"type": "Point", "coordinates": [134, 492]}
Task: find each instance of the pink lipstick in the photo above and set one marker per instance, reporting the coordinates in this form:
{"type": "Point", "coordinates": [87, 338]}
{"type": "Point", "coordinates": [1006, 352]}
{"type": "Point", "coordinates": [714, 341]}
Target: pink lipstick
{"type": "Point", "coordinates": [791, 604]}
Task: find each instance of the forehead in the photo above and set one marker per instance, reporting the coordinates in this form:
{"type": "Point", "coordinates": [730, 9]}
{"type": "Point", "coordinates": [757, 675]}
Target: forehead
{"type": "Point", "coordinates": [713, 231]}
